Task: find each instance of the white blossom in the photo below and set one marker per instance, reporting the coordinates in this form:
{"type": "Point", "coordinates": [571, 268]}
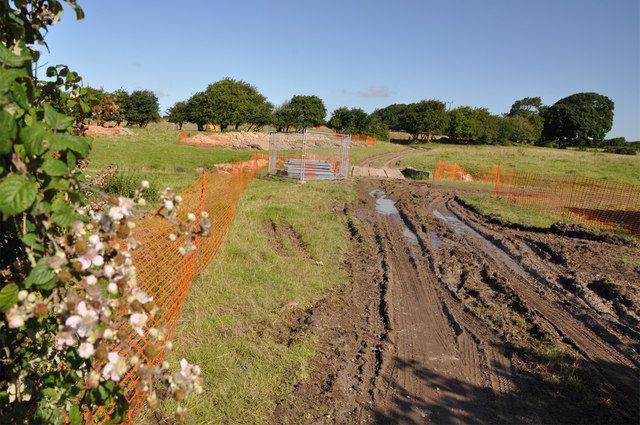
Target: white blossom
{"type": "Point", "coordinates": [115, 368]}
{"type": "Point", "coordinates": [86, 350]}
{"type": "Point", "coordinates": [15, 318]}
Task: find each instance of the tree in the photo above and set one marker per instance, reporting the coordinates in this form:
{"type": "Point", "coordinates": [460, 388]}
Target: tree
{"type": "Point", "coordinates": [178, 114]}
{"type": "Point", "coordinates": [307, 111]}
{"type": "Point", "coordinates": [142, 107]}
{"type": "Point", "coordinates": [582, 120]}
{"type": "Point", "coordinates": [122, 99]}
{"type": "Point", "coordinates": [198, 110]}
{"type": "Point", "coordinates": [391, 116]}
{"type": "Point", "coordinates": [235, 102]}
{"type": "Point", "coordinates": [529, 109]}
{"type": "Point", "coordinates": [282, 118]}
{"type": "Point", "coordinates": [520, 129]}
{"type": "Point", "coordinates": [353, 121]}
{"type": "Point", "coordinates": [424, 119]}
{"type": "Point", "coordinates": [526, 107]}
{"type": "Point", "coordinates": [475, 125]}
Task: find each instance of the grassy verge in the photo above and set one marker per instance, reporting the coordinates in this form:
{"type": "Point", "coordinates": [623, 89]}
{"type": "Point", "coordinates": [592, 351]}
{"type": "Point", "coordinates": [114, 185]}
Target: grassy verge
{"type": "Point", "coordinates": [610, 167]}
{"type": "Point", "coordinates": [153, 153]}
{"type": "Point", "coordinates": [528, 215]}
{"type": "Point", "coordinates": [235, 324]}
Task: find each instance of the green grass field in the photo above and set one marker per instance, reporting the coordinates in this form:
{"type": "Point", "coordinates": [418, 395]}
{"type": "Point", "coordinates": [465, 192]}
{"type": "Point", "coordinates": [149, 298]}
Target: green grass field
{"type": "Point", "coordinates": [153, 153]}
{"type": "Point", "coordinates": [609, 167]}
{"type": "Point", "coordinates": [236, 316]}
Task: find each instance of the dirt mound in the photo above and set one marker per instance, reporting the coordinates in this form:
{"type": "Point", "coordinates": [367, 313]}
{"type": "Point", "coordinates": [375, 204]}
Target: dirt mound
{"type": "Point", "coordinates": [452, 319]}
{"type": "Point", "coordinates": [95, 130]}
{"type": "Point", "coordinates": [260, 141]}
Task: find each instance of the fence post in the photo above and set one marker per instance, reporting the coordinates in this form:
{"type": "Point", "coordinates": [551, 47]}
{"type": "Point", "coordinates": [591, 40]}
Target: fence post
{"type": "Point", "coordinates": [496, 190]}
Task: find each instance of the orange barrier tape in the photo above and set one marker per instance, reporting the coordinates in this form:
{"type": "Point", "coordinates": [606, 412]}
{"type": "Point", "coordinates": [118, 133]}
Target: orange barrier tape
{"type": "Point", "coordinates": [586, 199]}
{"type": "Point", "coordinates": [166, 274]}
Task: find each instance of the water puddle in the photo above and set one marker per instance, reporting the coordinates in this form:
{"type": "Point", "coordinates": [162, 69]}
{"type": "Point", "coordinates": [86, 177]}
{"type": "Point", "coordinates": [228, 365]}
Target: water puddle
{"type": "Point", "coordinates": [435, 239]}
{"type": "Point", "coordinates": [386, 206]}
{"type": "Point", "coordinates": [462, 229]}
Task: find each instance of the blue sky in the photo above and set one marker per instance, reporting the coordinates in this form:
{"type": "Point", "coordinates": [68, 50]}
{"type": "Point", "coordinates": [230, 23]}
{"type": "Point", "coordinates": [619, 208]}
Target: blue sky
{"type": "Point", "coordinates": [366, 54]}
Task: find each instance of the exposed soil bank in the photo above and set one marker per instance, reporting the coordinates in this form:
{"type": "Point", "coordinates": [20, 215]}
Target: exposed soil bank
{"type": "Point", "coordinates": [475, 323]}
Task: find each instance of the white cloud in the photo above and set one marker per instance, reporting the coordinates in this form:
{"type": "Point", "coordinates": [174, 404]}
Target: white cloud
{"type": "Point", "coordinates": [374, 91]}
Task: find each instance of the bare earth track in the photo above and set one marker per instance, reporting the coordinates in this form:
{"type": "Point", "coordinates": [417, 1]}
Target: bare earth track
{"type": "Point", "coordinates": [452, 318]}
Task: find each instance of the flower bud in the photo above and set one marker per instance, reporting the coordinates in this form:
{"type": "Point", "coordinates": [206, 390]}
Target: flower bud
{"type": "Point", "coordinates": [40, 309]}
{"type": "Point", "coordinates": [123, 231]}
{"type": "Point", "coordinates": [22, 295]}
{"type": "Point", "coordinates": [64, 276]}
{"type": "Point", "coordinates": [81, 246]}
{"type": "Point", "coordinates": [179, 395]}
{"type": "Point", "coordinates": [93, 380]}
{"type": "Point", "coordinates": [150, 351]}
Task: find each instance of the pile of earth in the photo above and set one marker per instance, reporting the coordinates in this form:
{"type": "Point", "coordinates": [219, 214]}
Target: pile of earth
{"type": "Point", "coordinates": [259, 141]}
{"type": "Point", "coordinates": [96, 130]}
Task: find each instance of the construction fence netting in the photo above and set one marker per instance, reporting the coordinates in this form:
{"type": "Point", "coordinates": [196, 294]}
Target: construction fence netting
{"type": "Point", "coordinates": [598, 202]}
{"type": "Point", "coordinates": [310, 155]}
{"type": "Point", "coordinates": [166, 274]}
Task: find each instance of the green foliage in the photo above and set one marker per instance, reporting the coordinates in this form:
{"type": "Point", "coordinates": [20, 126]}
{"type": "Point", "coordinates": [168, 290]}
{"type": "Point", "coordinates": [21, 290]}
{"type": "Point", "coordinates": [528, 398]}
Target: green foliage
{"type": "Point", "coordinates": [307, 111]}
{"type": "Point", "coordinates": [122, 99]}
{"type": "Point", "coordinates": [235, 102]}
{"type": "Point", "coordinates": [141, 108]}
{"type": "Point", "coordinates": [282, 118]}
{"type": "Point", "coordinates": [473, 126]}
{"type": "Point", "coordinates": [198, 111]}
{"type": "Point", "coordinates": [178, 114]}
{"type": "Point", "coordinates": [424, 119]}
{"type": "Point", "coordinates": [126, 184]}
{"type": "Point", "coordinates": [524, 121]}
{"type": "Point", "coordinates": [580, 120]}
{"type": "Point", "coordinates": [356, 121]}
{"type": "Point", "coordinates": [353, 121]}
{"type": "Point", "coordinates": [391, 116]}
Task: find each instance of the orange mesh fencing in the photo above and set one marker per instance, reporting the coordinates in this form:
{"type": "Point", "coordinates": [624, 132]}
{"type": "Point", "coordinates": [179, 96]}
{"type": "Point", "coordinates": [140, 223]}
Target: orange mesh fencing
{"type": "Point", "coordinates": [597, 202]}
{"type": "Point", "coordinates": [369, 140]}
{"type": "Point", "coordinates": [166, 274]}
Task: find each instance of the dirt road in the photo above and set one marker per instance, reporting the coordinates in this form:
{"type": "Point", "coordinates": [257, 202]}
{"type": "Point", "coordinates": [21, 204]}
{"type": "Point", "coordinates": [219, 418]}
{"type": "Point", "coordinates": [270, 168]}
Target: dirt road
{"type": "Point", "coordinates": [450, 318]}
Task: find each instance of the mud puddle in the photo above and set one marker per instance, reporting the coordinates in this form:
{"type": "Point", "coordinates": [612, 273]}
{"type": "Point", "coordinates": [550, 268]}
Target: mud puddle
{"type": "Point", "coordinates": [461, 229]}
{"type": "Point", "coordinates": [386, 206]}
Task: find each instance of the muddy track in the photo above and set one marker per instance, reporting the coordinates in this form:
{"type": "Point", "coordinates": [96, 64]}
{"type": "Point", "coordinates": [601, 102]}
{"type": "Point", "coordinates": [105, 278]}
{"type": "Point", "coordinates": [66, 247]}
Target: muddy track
{"type": "Point", "coordinates": [453, 319]}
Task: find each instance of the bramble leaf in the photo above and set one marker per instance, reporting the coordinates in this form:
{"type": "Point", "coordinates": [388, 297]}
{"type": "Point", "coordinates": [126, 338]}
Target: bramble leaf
{"type": "Point", "coordinates": [17, 193]}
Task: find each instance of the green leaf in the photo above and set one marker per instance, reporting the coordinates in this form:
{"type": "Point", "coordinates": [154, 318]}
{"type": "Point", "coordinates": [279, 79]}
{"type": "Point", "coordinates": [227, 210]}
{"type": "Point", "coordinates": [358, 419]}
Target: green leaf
{"type": "Point", "coordinates": [62, 141]}
{"type": "Point", "coordinates": [55, 167]}
{"type": "Point", "coordinates": [32, 241]}
{"type": "Point", "coordinates": [41, 276]}
{"type": "Point", "coordinates": [32, 137]}
{"type": "Point", "coordinates": [8, 297]}
{"type": "Point", "coordinates": [17, 193]}
{"type": "Point", "coordinates": [55, 119]}
{"type": "Point", "coordinates": [75, 416]}
{"type": "Point", "coordinates": [8, 131]}
{"type": "Point", "coordinates": [64, 216]}
{"type": "Point", "coordinates": [8, 58]}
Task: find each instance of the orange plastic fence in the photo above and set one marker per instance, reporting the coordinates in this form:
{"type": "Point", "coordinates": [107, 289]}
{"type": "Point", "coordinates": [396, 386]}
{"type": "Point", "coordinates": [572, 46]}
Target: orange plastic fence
{"type": "Point", "coordinates": [166, 274]}
{"type": "Point", "coordinates": [369, 140]}
{"type": "Point", "coordinates": [584, 198]}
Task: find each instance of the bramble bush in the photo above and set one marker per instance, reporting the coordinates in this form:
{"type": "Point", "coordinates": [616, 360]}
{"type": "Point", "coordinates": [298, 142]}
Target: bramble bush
{"type": "Point", "coordinates": [68, 289]}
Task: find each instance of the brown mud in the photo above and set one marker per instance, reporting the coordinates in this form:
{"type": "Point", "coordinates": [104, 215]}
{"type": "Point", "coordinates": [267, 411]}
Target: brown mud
{"type": "Point", "coordinates": [451, 317]}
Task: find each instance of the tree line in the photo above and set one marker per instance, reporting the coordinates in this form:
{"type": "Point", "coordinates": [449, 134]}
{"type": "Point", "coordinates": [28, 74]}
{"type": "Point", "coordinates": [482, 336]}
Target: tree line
{"type": "Point", "coordinates": [139, 107]}
{"type": "Point", "coordinates": [579, 120]}
{"type": "Point", "coordinates": [231, 103]}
